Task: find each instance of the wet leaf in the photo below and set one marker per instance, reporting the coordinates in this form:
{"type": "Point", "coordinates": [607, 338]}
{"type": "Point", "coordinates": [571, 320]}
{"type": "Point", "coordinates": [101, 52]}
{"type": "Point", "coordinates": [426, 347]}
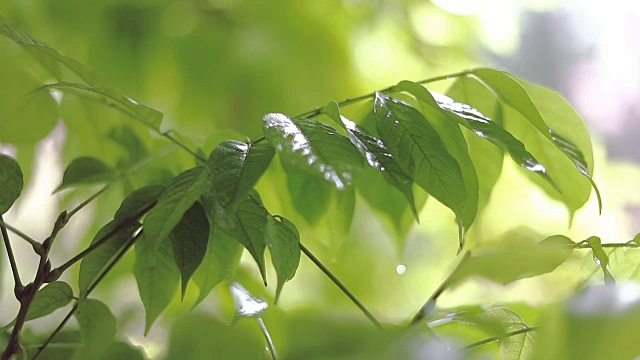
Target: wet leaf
{"type": "Point", "coordinates": [85, 170]}
{"type": "Point", "coordinates": [179, 196]}
{"type": "Point", "coordinates": [283, 241]}
{"type": "Point", "coordinates": [157, 276]}
{"type": "Point", "coordinates": [97, 327]}
{"type": "Point", "coordinates": [600, 257]}
{"type": "Point", "coordinates": [514, 258]}
{"type": "Point", "coordinates": [189, 240]}
{"type": "Point", "coordinates": [94, 263]}
{"type": "Point", "coordinates": [220, 259]}
{"type": "Point", "coordinates": [310, 194]}
{"type": "Point", "coordinates": [234, 167]}
{"type": "Point", "coordinates": [50, 298]}
{"type": "Point", "coordinates": [114, 97]}
{"type": "Point", "coordinates": [246, 304]}
{"type": "Point", "coordinates": [376, 155]}
{"type": "Point", "coordinates": [11, 182]}
{"type": "Point", "coordinates": [313, 147]}
{"type": "Point", "coordinates": [418, 149]}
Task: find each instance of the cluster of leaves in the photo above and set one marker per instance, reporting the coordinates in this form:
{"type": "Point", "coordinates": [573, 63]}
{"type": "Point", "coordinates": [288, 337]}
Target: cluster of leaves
{"type": "Point", "coordinates": [406, 141]}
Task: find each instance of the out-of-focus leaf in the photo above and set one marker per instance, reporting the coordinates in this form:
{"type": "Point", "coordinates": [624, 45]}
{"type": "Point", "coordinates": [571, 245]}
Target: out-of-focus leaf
{"type": "Point", "coordinates": [498, 322]}
{"type": "Point", "coordinates": [247, 225]}
{"type": "Point", "coordinates": [11, 182]}
{"type": "Point", "coordinates": [283, 241]}
{"type": "Point", "coordinates": [50, 58]}
{"type": "Point", "coordinates": [114, 97]}
{"type": "Point", "coordinates": [122, 351]}
{"type": "Point", "coordinates": [313, 147]}
{"type": "Point", "coordinates": [310, 195]}
{"type": "Point", "coordinates": [234, 167]}
{"type": "Point", "coordinates": [600, 257]}
{"type": "Point", "coordinates": [126, 137]}
{"type": "Point", "coordinates": [220, 259]}
{"type": "Point", "coordinates": [513, 259]}
{"type": "Point", "coordinates": [246, 304]}
{"type": "Point", "coordinates": [97, 327]}
{"type": "Point", "coordinates": [157, 276]}
{"type": "Point", "coordinates": [137, 201]}
{"type": "Point", "coordinates": [85, 170]}
{"type": "Point", "coordinates": [50, 298]}
{"type": "Point", "coordinates": [179, 196]}
{"type": "Point", "coordinates": [376, 154]}
{"type": "Point", "coordinates": [189, 240]}
{"type": "Point", "coordinates": [93, 264]}
{"type": "Point", "coordinates": [554, 119]}
{"type": "Point", "coordinates": [419, 150]}
{"type": "Point", "coordinates": [65, 344]}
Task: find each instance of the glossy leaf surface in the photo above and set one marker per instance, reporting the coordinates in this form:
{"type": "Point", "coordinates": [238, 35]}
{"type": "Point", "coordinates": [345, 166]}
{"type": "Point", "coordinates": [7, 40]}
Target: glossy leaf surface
{"type": "Point", "coordinates": [11, 182]}
{"type": "Point", "coordinates": [189, 240]}
{"type": "Point", "coordinates": [313, 147]}
{"type": "Point", "coordinates": [179, 196]}
{"type": "Point", "coordinates": [283, 241]}
{"type": "Point", "coordinates": [85, 170]}
{"type": "Point", "coordinates": [157, 276]}
{"type": "Point", "coordinates": [419, 150]}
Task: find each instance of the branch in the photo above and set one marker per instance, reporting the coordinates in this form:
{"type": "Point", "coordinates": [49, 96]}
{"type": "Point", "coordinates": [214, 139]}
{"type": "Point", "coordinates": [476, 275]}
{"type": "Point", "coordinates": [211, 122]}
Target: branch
{"type": "Point", "coordinates": [37, 247]}
{"type": "Point", "coordinates": [89, 200]}
{"type": "Point", "coordinates": [524, 330]}
{"type": "Point", "coordinates": [17, 287]}
{"type": "Point", "coordinates": [270, 345]}
{"type": "Point", "coordinates": [339, 284]}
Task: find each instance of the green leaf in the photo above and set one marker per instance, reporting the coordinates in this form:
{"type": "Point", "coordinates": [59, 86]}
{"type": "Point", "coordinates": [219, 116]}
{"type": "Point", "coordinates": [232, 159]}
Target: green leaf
{"type": "Point", "coordinates": [94, 263]}
{"type": "Point", "coordinates": [420, 152]}
{"type": "Point", "coordinates": [222, 256]}
{"type": "Point", "coordinates": [179, 196]}
{"type": "Point", "coordinates": [157, 276]}
{"type": "Point", "coordinates": [234, 167]}
{"type": "Point", "coordinates": [97, 327]}
{"type": "Point", "coordinates": [376, 155]}
{"type": "Point", "coordinates": [11, 182]}
{"type": "Point", "coordinates": [85, 170]}
{"type": "Point", "coordinates": [313, 147]}
{"type": "Point", "coordinates": [138, 201]}
{"type": "Point", "coordinates": [127, 138]}
{"type": "Point", "coordinates": [50, 298]}
{"type": "Point", "coordinates": [514, 258]}
{"type": "Point", "coordinates": [50, 58]}
{"type": "Point", "coordinates": [555, 120]}
{"type": "Point", "coordinates": [600, 257]}
{"type": "Point", "coordinates": [114, 97]}
{"type": "Point", "coordinates": [245, 303]}
{"type": "Point", "coordinates": [283, 241]}
{"type": "Point", "coordinates": [310, 195]}
{"type": "Point", "coordinates": [189, 240]}
{"type": "Point", "coordinates": [123, 351]}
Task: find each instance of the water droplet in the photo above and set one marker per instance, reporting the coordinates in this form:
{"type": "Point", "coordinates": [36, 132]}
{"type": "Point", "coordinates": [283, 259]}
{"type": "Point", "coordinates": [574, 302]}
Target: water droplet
{"type": "Point", "coordinates": [401, 269]}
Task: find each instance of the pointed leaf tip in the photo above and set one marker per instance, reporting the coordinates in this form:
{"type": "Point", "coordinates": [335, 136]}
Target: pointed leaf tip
{"type": "Point", "coordinates": [11, 182]}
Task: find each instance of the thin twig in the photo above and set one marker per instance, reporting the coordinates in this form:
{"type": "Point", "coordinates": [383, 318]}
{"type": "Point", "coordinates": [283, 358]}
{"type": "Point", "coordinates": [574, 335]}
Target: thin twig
{"type": "Point", "coordinates": [86, 202]}
{"type": "Point", "coordinates": [270, 345]}
{"type": "Point", "coordinates": [524, 330]}
{"type": "Point", "coordinates": [431, 302]}
{"type": "Point", "coordinates": [339, 284]}
{"type": "Point", "coordinates": [37, 247]}
{"type": "Point", "coordinates": [17, 287]}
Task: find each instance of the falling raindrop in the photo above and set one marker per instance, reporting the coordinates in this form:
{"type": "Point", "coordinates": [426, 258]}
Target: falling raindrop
{"type": "Point", "coordinates": [400, 269]}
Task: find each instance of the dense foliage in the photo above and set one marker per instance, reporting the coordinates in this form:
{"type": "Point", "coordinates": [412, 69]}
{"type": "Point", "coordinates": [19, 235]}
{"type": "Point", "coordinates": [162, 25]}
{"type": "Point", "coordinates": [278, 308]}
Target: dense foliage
{"type": "Point", "coordinates": [189, 211]}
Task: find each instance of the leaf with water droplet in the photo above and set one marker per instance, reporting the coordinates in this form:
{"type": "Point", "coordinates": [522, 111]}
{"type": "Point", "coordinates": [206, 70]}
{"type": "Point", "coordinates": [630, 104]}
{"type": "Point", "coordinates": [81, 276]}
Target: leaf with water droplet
{"type": "Point", "coordinates": [313, 147]}
{"type": "Point", "coordinates": [11, 182]}
{"type": "Point", "coordinates": [600, 257]}
{"type": "Point", "coordinates": [418, 149]}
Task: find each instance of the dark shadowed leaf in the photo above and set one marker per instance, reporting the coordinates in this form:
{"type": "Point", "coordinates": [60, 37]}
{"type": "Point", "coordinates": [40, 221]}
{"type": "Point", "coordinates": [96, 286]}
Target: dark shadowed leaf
{"type": "Point", "coordinates": [418, 149]}
{"type": "Point", "coordinates": [189, 240]}
{"type": "Point", "coordinates": [94, 263]}
{"type": "Point", "coordinates": [85, 170]}
{"type": "Point", "coordinates": [138, 201]}
{"type": "Point", "coordinates": [234, 167]}
{"type": "Point", "coordinates": [220, 259]}
{"type": "Point", "coordinates": [247, 225]}
{"type": "Point", "coordinates": [551, 115]}
{"type": "Point", "coordinates": [114, 97]}
{"type": "Point", "coordinates": [50, 298]}
{"type": "Point", "coordinates": [11, 182]}
{"type": "Point", "coordinates": [283, 241]}
{"type": "Point", "coordinates": [515, 258]}
{"type": "Point", "coordinates": [376, 155]}
{"type": "Point", "coordinates": [97, 327]}
{"type": "Point", "coordinates": [313, 147]}
{"type": "Point", "coordinates": [179, 196]}
{"type": "Point", "coordinates": [157, 276]}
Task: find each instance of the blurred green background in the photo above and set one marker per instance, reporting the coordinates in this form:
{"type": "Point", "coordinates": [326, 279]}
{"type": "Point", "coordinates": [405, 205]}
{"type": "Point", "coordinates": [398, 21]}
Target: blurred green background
{"type": "Point", "coordinates": [215, 67]}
